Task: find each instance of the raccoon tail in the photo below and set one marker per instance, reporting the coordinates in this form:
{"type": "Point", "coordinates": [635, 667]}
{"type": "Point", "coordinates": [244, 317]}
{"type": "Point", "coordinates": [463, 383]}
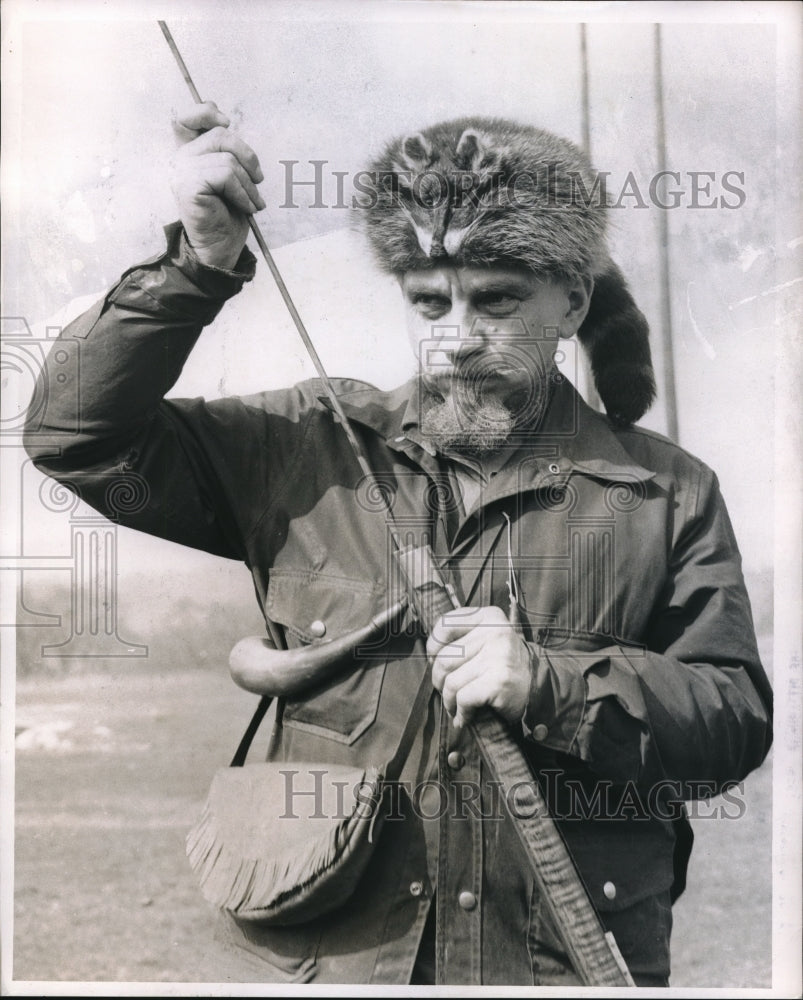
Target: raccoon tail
{"type": "Point", "coordinates": [615, 335]}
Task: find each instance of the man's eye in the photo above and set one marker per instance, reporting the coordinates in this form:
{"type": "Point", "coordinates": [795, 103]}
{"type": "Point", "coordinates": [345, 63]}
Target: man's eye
{"type": "Point", "coordinates": [498, 304]}
{"type": "Point", "coordinates": [431, 304]}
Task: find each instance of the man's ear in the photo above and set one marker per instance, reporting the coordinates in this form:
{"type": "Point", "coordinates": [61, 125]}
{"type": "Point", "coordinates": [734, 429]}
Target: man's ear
{"type": "Point", "coordinates": [578, 291]}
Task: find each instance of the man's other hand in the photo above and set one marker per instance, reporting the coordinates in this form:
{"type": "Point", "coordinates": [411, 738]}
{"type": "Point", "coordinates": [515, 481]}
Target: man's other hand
{"type": "Point", "coordinates": [479, 659]}
{"type": "Point", "coordinates": [214, 176]}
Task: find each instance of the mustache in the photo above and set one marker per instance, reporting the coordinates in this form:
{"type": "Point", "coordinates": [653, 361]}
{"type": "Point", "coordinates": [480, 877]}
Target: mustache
{"type": "Point", "coordinates": [477, 379]}
{"type": "Point", "coordinates": [489, 365]}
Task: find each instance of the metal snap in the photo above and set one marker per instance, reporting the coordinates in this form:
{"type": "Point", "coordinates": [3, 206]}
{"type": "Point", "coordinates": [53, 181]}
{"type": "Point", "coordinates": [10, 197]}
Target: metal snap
{"type": "Point", "coordinates": [318, 629]}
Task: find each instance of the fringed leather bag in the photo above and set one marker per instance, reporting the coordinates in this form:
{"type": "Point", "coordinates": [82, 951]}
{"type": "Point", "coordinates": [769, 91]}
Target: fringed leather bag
{"type": "Point", "coordinates": [281, 843]}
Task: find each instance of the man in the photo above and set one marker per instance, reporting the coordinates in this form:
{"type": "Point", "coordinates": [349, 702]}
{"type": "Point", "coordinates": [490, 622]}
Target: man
{"type": "Point", "coordinates": [632, 680]}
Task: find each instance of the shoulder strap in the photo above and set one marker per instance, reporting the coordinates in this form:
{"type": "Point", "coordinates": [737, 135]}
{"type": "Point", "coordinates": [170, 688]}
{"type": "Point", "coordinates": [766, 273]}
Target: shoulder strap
{"type": "Point", "coordinates": [414, 721]}
{"type": "Point", "coordinates": [248, 736]}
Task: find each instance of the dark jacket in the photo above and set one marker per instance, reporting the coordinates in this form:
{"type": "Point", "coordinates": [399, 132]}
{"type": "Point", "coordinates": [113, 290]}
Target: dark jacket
{"type": "Point", "coordinates": [647, 687]}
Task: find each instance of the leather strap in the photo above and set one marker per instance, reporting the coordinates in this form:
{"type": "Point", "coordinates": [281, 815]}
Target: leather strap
{"type": "Point", "coordinates": [248, 736]}
{"type": "Point", "coordinates": [414, 721]}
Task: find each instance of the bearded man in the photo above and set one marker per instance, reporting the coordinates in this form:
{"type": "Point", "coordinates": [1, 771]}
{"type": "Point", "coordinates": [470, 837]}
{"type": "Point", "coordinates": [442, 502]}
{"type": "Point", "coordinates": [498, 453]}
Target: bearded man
{"type": "Point", "coordinates": [632, 680]}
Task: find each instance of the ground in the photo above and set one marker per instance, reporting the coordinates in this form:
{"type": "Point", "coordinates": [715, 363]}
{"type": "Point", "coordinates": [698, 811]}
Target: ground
{"type": "Point", "coordinates": [111, 769]}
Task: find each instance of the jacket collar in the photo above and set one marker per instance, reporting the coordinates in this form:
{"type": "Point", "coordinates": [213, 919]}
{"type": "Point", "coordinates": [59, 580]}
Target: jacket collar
{"type": "Point", "coordinates": [573, 439]}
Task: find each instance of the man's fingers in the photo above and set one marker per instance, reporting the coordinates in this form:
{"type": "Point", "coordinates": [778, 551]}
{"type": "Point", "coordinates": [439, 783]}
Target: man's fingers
{"type": "Point", "coordinates": [231, 176]}
{"type": "Point", "coordinates": [475, 694]}
{"type": "Point", "coordinates": [455, 624]}
{"type": "Point", "coordinates": [231, 183]}
{"type": "Point", "coordinates": [191, 121]}
{"type": "Point", "coordinates": [454, 681]}
{"type": "Point", "coordinates": [453, 656]}
{"type": "Point", "coordinates": [219, 174]}
{"type": "Point", "coordinates": [220, 140]}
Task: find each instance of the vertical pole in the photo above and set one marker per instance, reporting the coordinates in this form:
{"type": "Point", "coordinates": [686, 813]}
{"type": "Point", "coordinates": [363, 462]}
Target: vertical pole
{"type": "Point", "coordinates": [591, 394]}
{"type": "Point", "coordinates": [666, 303]}
{"type": "Point", "coordinates": [586, 124]}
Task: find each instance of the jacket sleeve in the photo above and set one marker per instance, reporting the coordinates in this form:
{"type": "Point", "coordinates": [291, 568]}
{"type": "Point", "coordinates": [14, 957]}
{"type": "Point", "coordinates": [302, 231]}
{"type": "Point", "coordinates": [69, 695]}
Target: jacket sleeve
{"type": "Point", "coordinates": [690, 709]}
{"type": "Point", "coordinates": [103, 428]}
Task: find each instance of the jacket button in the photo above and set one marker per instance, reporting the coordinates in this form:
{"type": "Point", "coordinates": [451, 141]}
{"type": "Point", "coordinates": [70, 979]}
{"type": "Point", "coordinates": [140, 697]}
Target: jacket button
{"type": "Point", "coordinates": [467, 900]}
{"type": "Point", "coordinates": [455, 760]}
{"type": "Point", "coordinates": [609, 890]}
{"type": "Point", "coordinates": [416, 888]}
{"type": "Point", "coordinates": [318, 629]}
{"type": "Point", "coordinates": [540, 732]}
{"type": "Point", "coordinates": [554, 468]}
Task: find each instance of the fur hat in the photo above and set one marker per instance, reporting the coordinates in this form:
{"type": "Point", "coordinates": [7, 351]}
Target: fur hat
{"type": "Point", "coordinates": [481, 191]}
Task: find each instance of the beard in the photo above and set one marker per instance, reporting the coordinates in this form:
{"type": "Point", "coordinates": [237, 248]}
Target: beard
{"type": "Point", "coordinates": [450, 427]}
{"type": "Point", "coordinates": [456, 416]}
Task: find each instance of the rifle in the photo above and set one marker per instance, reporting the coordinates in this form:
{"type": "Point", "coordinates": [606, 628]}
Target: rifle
{"type": "Point", "coordinates": [259, 667]}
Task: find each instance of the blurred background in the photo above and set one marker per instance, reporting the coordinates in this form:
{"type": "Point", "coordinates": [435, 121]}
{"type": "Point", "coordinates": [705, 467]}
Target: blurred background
{"type": "Point", "coordinates": [87, 103]}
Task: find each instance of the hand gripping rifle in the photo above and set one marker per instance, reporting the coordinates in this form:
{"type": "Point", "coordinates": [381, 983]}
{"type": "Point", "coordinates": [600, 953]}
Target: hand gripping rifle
{"type": "Point", "coordinates": [259, 667]}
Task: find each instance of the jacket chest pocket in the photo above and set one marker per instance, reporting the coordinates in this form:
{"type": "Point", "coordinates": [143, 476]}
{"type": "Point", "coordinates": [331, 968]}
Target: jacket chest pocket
{"type": "Point", "coordinates": [315, 608]}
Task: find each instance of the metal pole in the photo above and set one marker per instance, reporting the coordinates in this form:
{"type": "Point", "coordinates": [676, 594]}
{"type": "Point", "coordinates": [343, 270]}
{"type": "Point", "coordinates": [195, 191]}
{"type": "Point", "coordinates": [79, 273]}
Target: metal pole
{"type": "Point", "coordinates": [663, 249]}
{"type": "Point", "coordinates": [591, 394]}
{"type": "Point", "coordinates": [586, 124]}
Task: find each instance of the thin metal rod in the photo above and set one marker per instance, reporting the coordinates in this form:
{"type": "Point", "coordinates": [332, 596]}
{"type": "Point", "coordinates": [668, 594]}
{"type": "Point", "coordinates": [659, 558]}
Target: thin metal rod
{"type": "Point", "coordinates": [586, 103]}
{"type": "Point", "coordinates": [663, 248]}
{"type": "Point", "coordinates": [591, 394]}
{"type": "Point", "coordinates": [181, 64]}
{"type": "Point", "coordinates": [291, 308]}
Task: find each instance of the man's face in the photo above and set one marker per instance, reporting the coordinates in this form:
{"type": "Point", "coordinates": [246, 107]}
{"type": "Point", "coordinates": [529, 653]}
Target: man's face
{"type": "Point", "coordinates": [485, 340]}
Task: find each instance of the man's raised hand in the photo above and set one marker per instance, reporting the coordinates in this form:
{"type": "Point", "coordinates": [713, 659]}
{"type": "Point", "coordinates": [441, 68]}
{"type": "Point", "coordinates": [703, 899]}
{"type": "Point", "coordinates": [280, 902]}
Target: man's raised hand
{"type": "Point", "coordinates": [214, 176]}
{"type": "Point", "coordinates": [479, 659]}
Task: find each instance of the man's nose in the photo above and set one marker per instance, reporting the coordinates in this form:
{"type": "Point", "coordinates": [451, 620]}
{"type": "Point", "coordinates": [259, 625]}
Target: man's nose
{"type": "Point", "coordinates": [464, 334]}
{"type": "Point", "coordinates": [474, 336]}
{"type": "Point", "coordinates": [474, 328]}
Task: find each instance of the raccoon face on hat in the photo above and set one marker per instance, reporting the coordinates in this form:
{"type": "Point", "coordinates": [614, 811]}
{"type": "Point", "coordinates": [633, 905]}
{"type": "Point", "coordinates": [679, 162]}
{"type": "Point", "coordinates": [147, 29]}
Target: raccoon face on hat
{"type": "Point", "coordinates": [485, 191]}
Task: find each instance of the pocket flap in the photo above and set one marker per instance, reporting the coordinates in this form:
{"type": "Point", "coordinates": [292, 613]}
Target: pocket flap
{"type": "Point", "coordinates": [575, 641]}
{"type": "Point", "coordinates": [312, 606]}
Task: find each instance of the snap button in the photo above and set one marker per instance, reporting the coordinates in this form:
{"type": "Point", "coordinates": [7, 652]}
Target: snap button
{"type": "Point", "coordinates": [416, 888]}
{"type": "Point", "coordinates": [540, 732]}
{"type": "Point", "coordinates": [554, 468]}
{"type": "Point", "coordinates": [467, 900]}
{"type": "Point", "coordinates": [609, 890]}
{"type": "Point", "coordinates": [318, 629]}
{"type": "Point", "coordinates": [455, 760]}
